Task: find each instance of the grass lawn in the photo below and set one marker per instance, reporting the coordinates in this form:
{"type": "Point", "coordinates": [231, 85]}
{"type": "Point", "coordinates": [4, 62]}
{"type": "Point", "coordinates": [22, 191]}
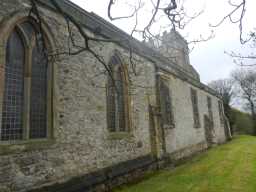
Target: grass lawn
{"type": "Point", "coordinates": [226, 168]}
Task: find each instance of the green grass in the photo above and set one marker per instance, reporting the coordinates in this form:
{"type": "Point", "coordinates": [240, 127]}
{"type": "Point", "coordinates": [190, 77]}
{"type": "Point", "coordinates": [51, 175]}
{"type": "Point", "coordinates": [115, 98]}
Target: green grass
{"type": "Point", "coordinates": [227, 168]}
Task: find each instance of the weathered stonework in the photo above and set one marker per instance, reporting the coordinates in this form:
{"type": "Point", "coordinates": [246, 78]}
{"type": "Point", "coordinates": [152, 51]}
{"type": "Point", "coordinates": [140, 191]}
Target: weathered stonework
{"type": "Point", "coordinates": [80, 143]}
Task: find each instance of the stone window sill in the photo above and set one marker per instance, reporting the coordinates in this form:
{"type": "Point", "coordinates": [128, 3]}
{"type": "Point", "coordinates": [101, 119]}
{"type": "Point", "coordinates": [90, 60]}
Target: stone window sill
{"type": "Point", "coordinates": [25, 145]}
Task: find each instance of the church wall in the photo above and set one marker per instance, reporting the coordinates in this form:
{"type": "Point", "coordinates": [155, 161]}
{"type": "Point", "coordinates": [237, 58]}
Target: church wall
{"type": "Point", "coordinates": [184, 139]}
{"type": "Point", "coordinates": [81, 143]}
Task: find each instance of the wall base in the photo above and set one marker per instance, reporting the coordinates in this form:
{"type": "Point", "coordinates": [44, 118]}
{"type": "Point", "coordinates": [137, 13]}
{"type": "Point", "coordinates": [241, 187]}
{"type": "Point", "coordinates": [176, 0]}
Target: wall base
{"type": "Point", "coordinates": [126, 172]}
{"type": "Point", "coordinates": [106, 179]}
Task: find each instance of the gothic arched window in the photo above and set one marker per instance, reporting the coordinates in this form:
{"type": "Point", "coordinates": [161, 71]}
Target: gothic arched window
{"type": "Point", "coordinates": [25, 90]}
{"type": "Point", "coordinates": [117, 97]}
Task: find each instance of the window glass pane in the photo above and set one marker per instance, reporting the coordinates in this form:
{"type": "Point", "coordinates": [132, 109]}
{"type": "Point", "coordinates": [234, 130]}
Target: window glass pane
{"type": "Point", "coordinates": [209, 104]}
{"type": "Point", "coordinates": [11, 128]}
{"type": "Point", "coordinates": [120, 99]}
{"type": "Point", "coordinates": [116, 114]}
{"type": "Point", "coordinates": [165, 102]}
{"type": "Point", "coordinates": [194, 100]}
{"type": "Point", "coordinates": [28, 28]}
{"type": "Point", "coordinates": [38, 102]}
{"type": "Point", "coordinates": [111, 117]}
{"type": "Point", "coordinates": [221, 112]}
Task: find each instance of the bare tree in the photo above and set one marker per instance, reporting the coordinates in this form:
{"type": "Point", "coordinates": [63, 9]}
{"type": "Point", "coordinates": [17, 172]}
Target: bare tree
{"type": "Point", "coordinates": [74, 47]}
{"type": "Point", "coordinates": [174, 11]}
{"type": "Point", "coordinates": [236, 16]}
{"type": "Point", "coordinates": [224, 87]}
{"type": "Point", "coordinates": [246, 79]}
{"type": "Point", "coordinates": [177, 14]}
{"type": "Point", "coordinates": [171, 9]}
{"type": "Point", "coordinates": [247, 60]}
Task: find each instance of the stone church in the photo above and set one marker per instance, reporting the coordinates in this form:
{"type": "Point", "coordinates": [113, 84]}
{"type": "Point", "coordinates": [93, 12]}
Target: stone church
{"type": "Point", "coordinates": [65, 126]}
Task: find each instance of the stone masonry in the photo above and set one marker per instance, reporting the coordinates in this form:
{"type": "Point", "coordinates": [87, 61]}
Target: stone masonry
{"type": "Point", "coordinates": [81, 142]}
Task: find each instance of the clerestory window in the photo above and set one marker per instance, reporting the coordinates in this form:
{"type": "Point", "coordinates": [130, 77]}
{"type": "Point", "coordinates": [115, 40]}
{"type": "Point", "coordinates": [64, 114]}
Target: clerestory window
{"type": "Point", "coordinates": [25, 90]}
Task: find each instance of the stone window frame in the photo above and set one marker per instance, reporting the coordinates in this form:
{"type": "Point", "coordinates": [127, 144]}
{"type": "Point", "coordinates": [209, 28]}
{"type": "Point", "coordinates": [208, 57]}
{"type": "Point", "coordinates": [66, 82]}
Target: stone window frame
{"type": "Point", "coordinates": [221, 112]}
{"type": "Point", "coordinates": [210, 112]}
{"type": "Point", "coordinates": [7, 26]}
{"type": "Point", "coordinates": [195, 108]}
{"type": "Point", "coordinates": [163, 83]}
{"type": "Point", "coordinates": [113, 132]}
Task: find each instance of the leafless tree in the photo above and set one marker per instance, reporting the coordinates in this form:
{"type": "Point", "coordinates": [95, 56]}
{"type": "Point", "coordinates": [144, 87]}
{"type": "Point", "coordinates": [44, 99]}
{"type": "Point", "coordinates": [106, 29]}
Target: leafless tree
{"type": "Point", "coordinates": [74, 47]}
{"type": "Point", "coordinates": [246, 79]}
{"type": "Point", "coordinates": [224, 87]}
{"type": "Point", "coordinates": [246, 60]}
{"type": "Point", "coordinates": [236, 16]}
{"type": "Point", "coordinates": [238, 8]}
{"type": "Point", "coordinates": [172, 10]}
{"type": "Point", "coordinates": [176, 12]}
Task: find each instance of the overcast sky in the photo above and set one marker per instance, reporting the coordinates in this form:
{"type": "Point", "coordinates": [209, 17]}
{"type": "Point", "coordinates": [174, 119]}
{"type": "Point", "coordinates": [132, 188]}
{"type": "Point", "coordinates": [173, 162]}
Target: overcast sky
{"type": "Point", "coordinates": [208, 58]}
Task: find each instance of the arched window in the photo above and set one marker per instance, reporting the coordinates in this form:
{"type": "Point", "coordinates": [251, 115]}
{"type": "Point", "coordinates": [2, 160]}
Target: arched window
{"type": "Point", "coordinates": [209, 106]}
{"type": "Point", "coordinates": [117, 97]}
{"type": "Point", "coordinates": [166, 105]}
{"type": "Point", "coordinates": [25, 92]}
{"type": "Point", "coordinates": [196, 115]}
